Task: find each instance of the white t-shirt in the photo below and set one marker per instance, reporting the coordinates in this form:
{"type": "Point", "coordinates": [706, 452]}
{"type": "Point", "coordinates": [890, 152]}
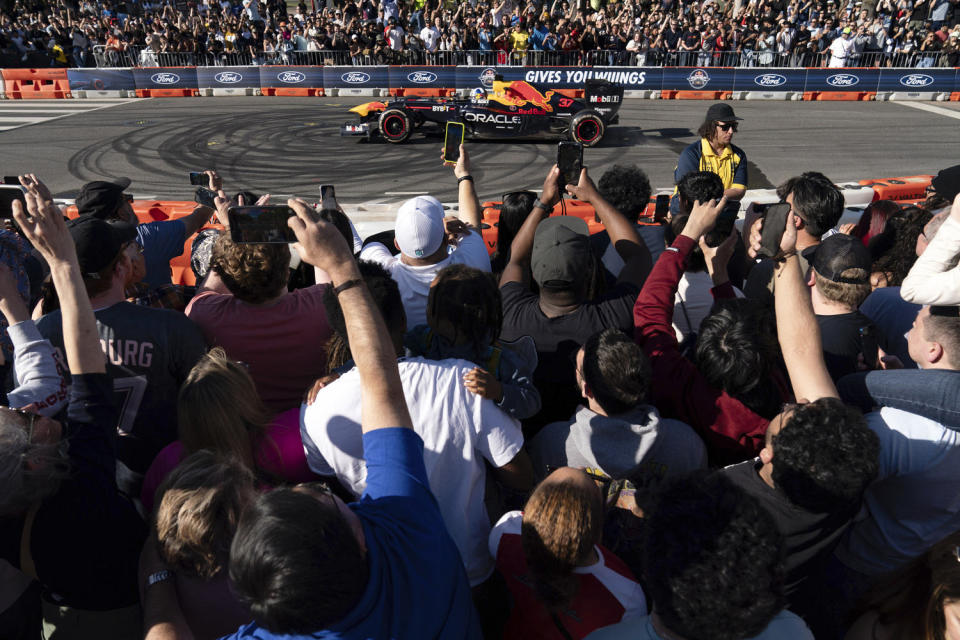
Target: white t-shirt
{"type": "Point", "coordinates": [459, 430]}
{"type": "Point", "coordinates": [915, 500]}
{"type": "Point", "coordinates": [414, 282]}
{"type": "Point", "coordinates": [840, 50]}
{"type": "Point", "coordinates": [430, 37]}
{"type": "Point", "coordinates": [694, 290]}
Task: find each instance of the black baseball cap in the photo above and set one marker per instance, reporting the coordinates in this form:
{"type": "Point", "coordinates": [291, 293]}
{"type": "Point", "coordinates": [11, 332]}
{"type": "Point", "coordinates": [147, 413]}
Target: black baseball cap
{"type": "Point", "coordinates": [100, 198]}
{"type": "Point", "coordinates": [947, 183]}
{"type": "Point", "coordinates": [721, 112]}
{"type": "Point", "coordinates": [561, 252]}
{"type": "Point", "coordinates": [840, 252]}
{"type": "Point", "coordinates": [98, 242]}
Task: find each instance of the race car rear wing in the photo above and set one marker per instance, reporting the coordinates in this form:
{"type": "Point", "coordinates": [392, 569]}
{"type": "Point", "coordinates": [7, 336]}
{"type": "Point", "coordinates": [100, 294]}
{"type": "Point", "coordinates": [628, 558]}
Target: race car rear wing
{"type": "Point", "coordinates": [604, 97]}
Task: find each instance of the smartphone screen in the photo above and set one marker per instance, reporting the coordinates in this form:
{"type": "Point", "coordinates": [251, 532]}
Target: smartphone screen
{"type": "Point", "coordinates": [199, 179]}
{"type": "Point", "coordinates": [452, 142]}
{"type": "Point", "coordinates": [328, 196]}
{"type": "Point", "coordinates": [9, 193]}
{"type": "Point", "coordinates": [774, 222]}
{"type": "Point", "coordinates": [662, 207]}
{"type": "Point", "coordinates": [15, 180]}
{"type": "Point", "coordinates": [261, 225]}
{"type": "Point", "coordinates": [870, 347]}
{"type": "Point", "coordinates": [570, 162]}
{"type": "Point", "coordinates": [205, 197]}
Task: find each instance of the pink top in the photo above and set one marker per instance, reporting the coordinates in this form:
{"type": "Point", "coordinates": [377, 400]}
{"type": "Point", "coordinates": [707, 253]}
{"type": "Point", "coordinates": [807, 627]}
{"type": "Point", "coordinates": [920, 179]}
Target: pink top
{"type": "Point", "coordinates": [283, 344]}
{"type": "Point", "coordinates": [280, 454]}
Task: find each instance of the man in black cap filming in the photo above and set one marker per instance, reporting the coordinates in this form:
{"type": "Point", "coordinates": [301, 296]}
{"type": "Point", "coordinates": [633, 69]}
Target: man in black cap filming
{"type": "Point", "coordinates": [715, 152]}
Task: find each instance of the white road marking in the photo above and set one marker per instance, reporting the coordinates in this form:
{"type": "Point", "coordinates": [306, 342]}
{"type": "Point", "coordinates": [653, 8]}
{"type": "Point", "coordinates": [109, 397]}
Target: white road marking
{"type": "Point", "coordinates": [56, 109]}
{"type": "Point", "coordinates": [950, 113]}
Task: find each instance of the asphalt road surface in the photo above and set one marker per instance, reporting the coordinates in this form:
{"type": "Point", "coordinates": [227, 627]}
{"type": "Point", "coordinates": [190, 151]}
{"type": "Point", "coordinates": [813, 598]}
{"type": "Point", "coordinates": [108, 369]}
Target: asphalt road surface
{"type": "Point", "coordinates": [289, 146]}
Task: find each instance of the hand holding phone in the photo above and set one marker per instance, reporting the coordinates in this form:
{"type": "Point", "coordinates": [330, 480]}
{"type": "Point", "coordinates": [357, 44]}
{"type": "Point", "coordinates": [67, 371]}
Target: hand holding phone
{"type": "Point", "coordinates": [9, 193]}
{"type": "Point", "coordinates": [570, 162]}
{"type": "Point", "coordinates": [199, 179]}
{"type": "Point", "coordinates": [206, 197]}
{"type": "Point", "coordinates": [724, 225]}
{"type": "Point", "coordinates": [328, 197]}
{"type": "Point", "coordinates": [662, 208]}
{"type": "Point", "coordinates": [774, 224]}
{"type": "Point", "coordinates": [453, 138]}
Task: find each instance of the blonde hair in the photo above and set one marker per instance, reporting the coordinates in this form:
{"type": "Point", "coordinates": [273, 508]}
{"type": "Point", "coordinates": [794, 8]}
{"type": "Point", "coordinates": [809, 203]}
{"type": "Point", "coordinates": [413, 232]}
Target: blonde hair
{"type": "Point", "coordinates": [561, 523]}
{"type": "Point", "coordinates": [218, 408]}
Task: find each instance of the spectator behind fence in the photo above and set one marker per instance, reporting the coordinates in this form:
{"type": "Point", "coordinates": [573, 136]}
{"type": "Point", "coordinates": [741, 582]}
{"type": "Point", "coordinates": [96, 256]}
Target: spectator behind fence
{"type": "Point", "coordinates": [461, 431]}
{"type": "Point", "coordinates": [305, 562]}
{"type": "Point", "coordinates": [733, 387]}
{"type": "Point", "coordinates": [464, 312]}
{"type": "Point", "coordinates": [65, 522]}
{"type": "Point", "coordinates": [564, 584]}
{"type": "Point", "coordinates": [219, 410]}
{"type": "Point", "coordinates": [712, 567]}
{"type": "Point", "coordinates": [428, 242]}
{"type": "Point", "coordinates": [816, 204]}
{"type": "Point", "coordinates": [244, 307]}
{"type": "Point", "coordinates": [149, 352]}
{"type": "Point", "coordinates": [566, 311]}
{"type": "Point", "coordinates": [200, 504]}
{"type": "Point", "coordinates": [618, 433]}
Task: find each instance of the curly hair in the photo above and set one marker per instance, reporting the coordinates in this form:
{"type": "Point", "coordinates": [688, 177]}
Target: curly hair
{"type": "Point", "coordinates": [825, 456]}
{"type": "Point", "coordinates": [468, 301]}
{"type": "Point", "coordinates": [895, 250]}
{"type": "Point", "coordinates": [561, 523]}
{"type": "Point", "coordinates": [712, 559]}
{"type": "Point", "coordinates": [627, 189]}
{"type": "Point", "coordinates": [816, 200]}
{"type": "Point", "coordinates": [737, 351]}
{"type": "Point", "coordinates": [254, 273]}
{"type": "Point", "coordinates": [617, 371]}
{"type": "Point", "coordinates": [199, 506]}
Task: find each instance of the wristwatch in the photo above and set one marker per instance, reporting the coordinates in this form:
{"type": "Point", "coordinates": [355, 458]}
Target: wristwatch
{"type": "Point", "coordinates": [539, 203]}
{"type": "Point", "coordinates": [159, 576]}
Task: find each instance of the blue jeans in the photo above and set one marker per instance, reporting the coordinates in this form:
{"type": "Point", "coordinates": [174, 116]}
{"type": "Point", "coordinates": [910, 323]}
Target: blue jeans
{"type": "Point", "coordinates": [931, 393]}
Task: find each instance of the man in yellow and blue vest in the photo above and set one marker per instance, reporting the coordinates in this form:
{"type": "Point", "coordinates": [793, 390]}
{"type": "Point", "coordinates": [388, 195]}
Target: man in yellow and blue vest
{"type": "Point", "coordinates": [714, 152]}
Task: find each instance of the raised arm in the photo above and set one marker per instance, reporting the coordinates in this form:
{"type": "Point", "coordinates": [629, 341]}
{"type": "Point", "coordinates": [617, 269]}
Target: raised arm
{"type": "Point", "coordinates": [797, 327]}
{"type": "Point", "coordinates": [42, 224]}
{"type": "Point", "coordinates": [467, 200]}
{"type": "Point", "coordinates": [521, 248]}
{"type": "Point", "coordinates": [320, 244]}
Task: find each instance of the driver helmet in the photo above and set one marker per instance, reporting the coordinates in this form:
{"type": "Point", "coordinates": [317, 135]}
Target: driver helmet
{"type": "Point", "coordinates": [479, 95]}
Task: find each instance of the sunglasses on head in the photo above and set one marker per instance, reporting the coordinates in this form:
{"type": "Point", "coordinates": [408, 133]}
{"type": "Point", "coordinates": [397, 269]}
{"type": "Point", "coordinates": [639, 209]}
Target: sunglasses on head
{"type": "Point", "coordinates": [726, 126]}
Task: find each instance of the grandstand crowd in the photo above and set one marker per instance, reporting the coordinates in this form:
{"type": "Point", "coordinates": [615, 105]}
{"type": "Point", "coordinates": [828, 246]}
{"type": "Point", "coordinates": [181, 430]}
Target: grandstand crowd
{"type": "Point", "coordinates": [904, 33]}
{"type": "Point", "coordinates": [673, 428]}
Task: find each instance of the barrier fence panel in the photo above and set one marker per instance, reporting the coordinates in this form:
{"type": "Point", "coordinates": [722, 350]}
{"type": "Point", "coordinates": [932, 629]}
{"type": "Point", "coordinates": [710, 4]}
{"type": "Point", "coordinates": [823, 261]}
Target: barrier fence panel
{"type": "Point", "coordinates": [420, 81]}
{"type": "Point", "coordinates": [119, 80]}
{"type": "Point", "coordinates": [778, 79]}
{"type": "Point", "coordinates": [291, 81]}
{"type": "Point", "coordinates": [356, 80]}
{"type": "Point", "coordinates": [853, 80]}
{"type": "Point", "coordinates": [937, 80]}
{"type": "Point", "coordinates": [174, 81]}
{"type": "Point", "coordinates": [226, 80]}
{"type": "Point", "coordinates": [698, 79]}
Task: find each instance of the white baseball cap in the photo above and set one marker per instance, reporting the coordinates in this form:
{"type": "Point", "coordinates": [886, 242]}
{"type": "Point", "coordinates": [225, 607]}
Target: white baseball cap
{"type": "Point", "coordinates": [419, 227]}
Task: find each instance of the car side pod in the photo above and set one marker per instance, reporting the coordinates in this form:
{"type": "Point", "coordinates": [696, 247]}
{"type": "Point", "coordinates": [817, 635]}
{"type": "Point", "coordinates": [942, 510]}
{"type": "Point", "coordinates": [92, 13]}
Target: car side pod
{"type": "Point", "coordinates": [603, 97]}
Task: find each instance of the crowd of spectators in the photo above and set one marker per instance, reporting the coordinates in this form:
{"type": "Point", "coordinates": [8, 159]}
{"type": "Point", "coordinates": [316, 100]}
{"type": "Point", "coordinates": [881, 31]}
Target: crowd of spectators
{"type": "Point", "coordinates": [400, 437]}
{"type": "Point", "coordinates": [601, 32]}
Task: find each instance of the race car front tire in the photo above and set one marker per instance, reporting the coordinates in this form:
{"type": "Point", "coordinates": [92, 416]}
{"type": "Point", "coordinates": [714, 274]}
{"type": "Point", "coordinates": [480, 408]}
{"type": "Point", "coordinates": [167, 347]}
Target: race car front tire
{"type": "Point", "coordinates": [587, 128]}
{"type": "Point", "coordinates": [395, 125]}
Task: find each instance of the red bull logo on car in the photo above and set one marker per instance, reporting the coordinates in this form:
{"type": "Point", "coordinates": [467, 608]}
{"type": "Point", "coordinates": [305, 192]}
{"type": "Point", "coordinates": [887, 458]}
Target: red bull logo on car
{"type": "Point", "coordinates": [520, 94]}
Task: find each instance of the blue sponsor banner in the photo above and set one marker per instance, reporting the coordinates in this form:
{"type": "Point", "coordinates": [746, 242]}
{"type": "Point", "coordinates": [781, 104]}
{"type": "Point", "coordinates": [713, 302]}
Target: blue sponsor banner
{"type": "Point", "coordinates": [767, 79]}
{"type": "Point", "coordinates": [228, 77]}
{"type": "Point", "coordinates": [356, 77]}
{"type": "Point", "coordinates": [698, 79]}
{"type": "Point", "coordinates": [291, 77]}
{"type": "Point", "coordinates": [166, 78]}
{"type": "Point", "coordinates": [631, 78]}
{"type": "Point", "coordinates": [913, 80]}
{"type": "Point", "coordinates": [423, 77]}
{"type": "Point", "coordinates": [101, 79]}
{"type": "Point", "coordinates": [842, 79]}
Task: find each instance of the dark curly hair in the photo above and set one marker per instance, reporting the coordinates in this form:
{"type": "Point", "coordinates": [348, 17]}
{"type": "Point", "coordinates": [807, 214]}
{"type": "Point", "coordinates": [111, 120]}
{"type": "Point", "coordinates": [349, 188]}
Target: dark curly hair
{"type": "Point", "coordinates": [737, 352]}
{"type": "Point", "coordinates": [816, 200]}
{"type": "Point", "coordinates": [253, 273]}
{"type": "Point", "coordinates": [698, 185]}
{"type": "Point", "coordinates": [895, 250]}
{"type": "Point", "coordinates": [824, 456]}
{"type": "Point", "coordinates": [468, 300]}
{"type": "Point", "coordinates": [627, 189]}
{"type": "Point", "coordinates": [712, 559]}
{"type": "Point", "coordinates": [617, 371]}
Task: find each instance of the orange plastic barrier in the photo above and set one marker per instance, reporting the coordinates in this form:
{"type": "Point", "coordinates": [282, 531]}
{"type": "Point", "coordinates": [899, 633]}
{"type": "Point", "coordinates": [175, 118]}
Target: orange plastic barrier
{"type": "Point", "coordinates": [839, 95]}
{"type": "Point", "coordinates": [955, 96]}
{"type": "Point", "coordinates": [424, 93]}
{"type": "Point", "coordinates": [906, 188]}
{"type": "Point", "coordinates": [26, 84]}
{"type": "Point", "coordinates": [295, 92]}
{"type": "Point", "coordinates": [673, 94]}
{"type": "Point", "coordinates": [167, 93]}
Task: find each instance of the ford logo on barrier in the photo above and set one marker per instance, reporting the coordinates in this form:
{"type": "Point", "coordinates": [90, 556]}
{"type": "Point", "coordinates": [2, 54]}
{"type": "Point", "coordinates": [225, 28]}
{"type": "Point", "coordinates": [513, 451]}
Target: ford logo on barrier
{"type": "Point", "coordinates": [843, 80]}
{"type": "Point", "coordinates": [698, 79]}
{"type": "Point", "coordinates": [228, 77]}
{"type": "Point", "coordinates": [770, 80]}
{"type": "Point", "coordinates": [422, 77]}
{"type": "Point", "coordinates": [291, 77]}
{"type": "Point", "coordinates": [916, 80]}
{"type": "Point", "coordinates": [165, 78]}
{"type": "Point", "coordinates": [355, 77]}
{"type": "Point", "coordinates": [487, 76]}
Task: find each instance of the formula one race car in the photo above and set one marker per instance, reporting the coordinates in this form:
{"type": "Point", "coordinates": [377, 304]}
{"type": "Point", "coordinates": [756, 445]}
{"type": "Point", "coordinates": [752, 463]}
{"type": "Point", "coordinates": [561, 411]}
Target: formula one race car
{"type": "Point", "coordinates": [514, 109]}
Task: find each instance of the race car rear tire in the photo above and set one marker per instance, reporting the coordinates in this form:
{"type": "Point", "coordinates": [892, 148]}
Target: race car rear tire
{"type": "Point", "coordinates": [395, 125]}
{"type": "Point", "coordinates": [587, 128]}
